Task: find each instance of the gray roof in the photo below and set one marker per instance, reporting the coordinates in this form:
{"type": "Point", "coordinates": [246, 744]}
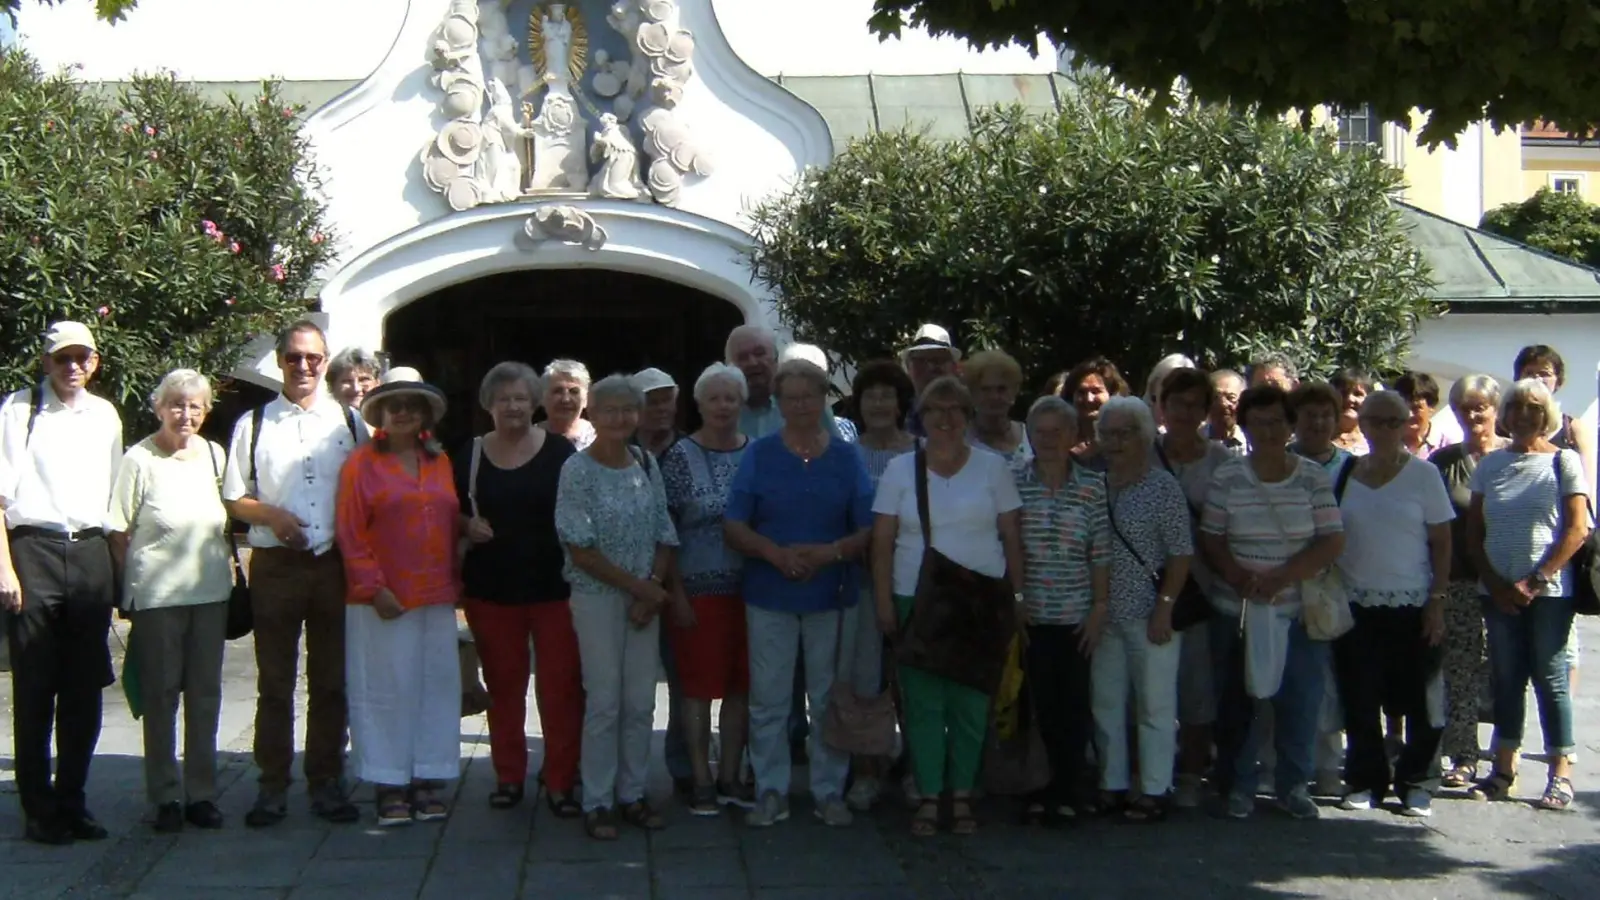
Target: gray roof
{"type": "Point", "coordinates": [1475, 271]}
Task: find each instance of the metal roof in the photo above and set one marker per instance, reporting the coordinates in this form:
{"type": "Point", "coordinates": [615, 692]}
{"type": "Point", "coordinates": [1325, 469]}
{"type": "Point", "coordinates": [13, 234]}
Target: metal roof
{"type": "Point", "coordinates": [1475, 271]}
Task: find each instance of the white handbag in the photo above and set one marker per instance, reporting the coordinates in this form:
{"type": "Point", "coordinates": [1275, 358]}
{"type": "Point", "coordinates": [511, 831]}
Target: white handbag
{"type": "Point", "coordinates": [1324, 603]}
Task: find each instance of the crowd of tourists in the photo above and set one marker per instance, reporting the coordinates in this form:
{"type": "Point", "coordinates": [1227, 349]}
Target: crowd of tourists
{"type": "Point", "coordinates": [1228, 582]}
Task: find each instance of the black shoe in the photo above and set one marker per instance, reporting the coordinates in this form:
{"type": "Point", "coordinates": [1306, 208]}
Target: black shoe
{"type": "Point", "coordinates": [204, 815]}
{"type": "Point", "coordinates": [269, 810]}
{"type": "Point", "coordinates": [85, 828]}
{"type": "Point", "coordinates": [329, 803]}
{"type": "Point", "coordinates": [169, 818]}
{"type": "Point", "coordinates": [52, 833]}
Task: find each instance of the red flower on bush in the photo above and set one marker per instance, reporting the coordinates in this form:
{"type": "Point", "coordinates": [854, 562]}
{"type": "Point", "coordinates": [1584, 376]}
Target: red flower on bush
{"type": "Point", "coordinates": [277, 272]}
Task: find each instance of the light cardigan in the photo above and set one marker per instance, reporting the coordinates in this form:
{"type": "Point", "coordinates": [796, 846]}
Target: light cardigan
{"type": "Point", "coordinates": [398, 532]}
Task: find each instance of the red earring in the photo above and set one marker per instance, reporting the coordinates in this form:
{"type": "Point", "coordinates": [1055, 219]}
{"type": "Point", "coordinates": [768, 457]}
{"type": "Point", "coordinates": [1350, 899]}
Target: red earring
{"type": "Point", "coordinates": [378, 434]}
{"type": "Point", "coordinates": [424, 435]}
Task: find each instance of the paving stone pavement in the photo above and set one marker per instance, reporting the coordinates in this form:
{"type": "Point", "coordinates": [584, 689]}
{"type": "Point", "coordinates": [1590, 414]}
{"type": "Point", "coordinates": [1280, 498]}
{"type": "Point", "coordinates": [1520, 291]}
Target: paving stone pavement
{"type": "Point", "coordinates": [1466, 850]}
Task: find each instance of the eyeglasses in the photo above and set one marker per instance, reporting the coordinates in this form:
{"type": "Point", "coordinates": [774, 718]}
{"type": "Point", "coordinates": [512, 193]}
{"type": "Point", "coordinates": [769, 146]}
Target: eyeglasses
{"type": "Point", "coordinates": [943, 410]}
{"type": "Point", "coordinates": [1118, 434]}
{"type": "Point", "coordinates": [310, 360]}
{"type": "Point", "coordinates": [79, 359]}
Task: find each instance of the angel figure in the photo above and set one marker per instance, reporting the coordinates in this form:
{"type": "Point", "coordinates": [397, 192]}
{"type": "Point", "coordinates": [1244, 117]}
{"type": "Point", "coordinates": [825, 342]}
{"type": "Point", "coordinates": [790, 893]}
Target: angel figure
{"type": "Point", "coordinates": [618, 178]}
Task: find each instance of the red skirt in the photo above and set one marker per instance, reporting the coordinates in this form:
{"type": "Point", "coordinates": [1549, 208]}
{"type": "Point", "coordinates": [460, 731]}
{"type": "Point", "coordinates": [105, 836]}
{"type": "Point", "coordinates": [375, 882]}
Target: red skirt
{"type": "Point", "coordinates": [713, 655]}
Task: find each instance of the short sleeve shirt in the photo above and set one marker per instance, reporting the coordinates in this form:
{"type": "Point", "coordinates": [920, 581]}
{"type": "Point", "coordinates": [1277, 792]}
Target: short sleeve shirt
{"type": "Point", "coordinates": [1522, 510]}
{"type": "Point", "coordinates": [1195, 479]}
{"type": "Point", "coordinates": [1150, 517]}
{"type": "Point", "coordinates": [171, 510]}
{"type": "Point", "coordinates": [1064, 537]}
{"type": "Point", "coordinates": [964, 510]}
{"type": "Point", "coordinates": [620, 512]}
{"type": "Point", "coordinates": [1386, 560]}
{"type": "Point", "coordinates": [1267, 524]}
{"type": "Point", "coordinates": [697, 481]}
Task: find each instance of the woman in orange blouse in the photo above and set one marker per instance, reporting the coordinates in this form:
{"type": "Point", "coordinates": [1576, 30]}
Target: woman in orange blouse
{"type": "Point", "coordinates": [398, 521]}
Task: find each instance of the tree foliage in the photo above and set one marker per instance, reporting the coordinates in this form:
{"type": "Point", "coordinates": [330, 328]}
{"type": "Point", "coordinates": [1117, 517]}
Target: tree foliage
{"type": "Point", "coordinates": [109, 10]}
{"type": "Point", "coordinates": [1508, 61]}
{"type": "Point", "coordinates": [1108, 228]}
{"type": "Point", "coordinates": [1563, 224]}
{"type": "Point", "coordinates": [176, 228]}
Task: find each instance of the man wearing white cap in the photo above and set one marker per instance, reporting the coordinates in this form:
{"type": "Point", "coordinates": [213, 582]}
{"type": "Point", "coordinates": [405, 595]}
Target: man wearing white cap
{"type": "Point", "coordinates": [60, 447]}
{"type": "Point", "coordinates": [929, 356]}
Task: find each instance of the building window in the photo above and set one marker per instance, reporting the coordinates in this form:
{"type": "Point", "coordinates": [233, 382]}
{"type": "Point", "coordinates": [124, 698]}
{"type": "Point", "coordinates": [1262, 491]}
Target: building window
{"type": "Point", "coordinates": [1359, 126]}
{"type": "Point", "coordinates": [1566, 182]}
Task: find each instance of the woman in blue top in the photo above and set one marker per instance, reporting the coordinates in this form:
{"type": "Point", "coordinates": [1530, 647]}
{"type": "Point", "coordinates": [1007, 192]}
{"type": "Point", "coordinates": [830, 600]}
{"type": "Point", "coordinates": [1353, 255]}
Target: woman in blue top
{"type": "Point", "coordinates": [800, 508]}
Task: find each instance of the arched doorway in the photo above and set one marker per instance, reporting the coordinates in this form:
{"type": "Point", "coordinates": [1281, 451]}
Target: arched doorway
{"type": "Point", "coordinates": [611, 321]}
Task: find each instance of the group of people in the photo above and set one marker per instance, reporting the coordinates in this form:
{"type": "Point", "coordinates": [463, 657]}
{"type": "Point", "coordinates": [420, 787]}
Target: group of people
{"type": "Point", "coordinates": [771, 559]}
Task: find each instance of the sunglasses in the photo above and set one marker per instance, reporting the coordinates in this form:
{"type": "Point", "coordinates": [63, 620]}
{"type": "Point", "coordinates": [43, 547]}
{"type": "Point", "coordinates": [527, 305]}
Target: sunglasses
{"type": "Point", "coordinates": [80, 359]}
{"type": "Point", "coordinates": [408, 404]}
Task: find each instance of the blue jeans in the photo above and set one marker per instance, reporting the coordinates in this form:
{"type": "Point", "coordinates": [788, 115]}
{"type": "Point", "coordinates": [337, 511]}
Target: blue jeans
{"type": "Point", "coordinates": [1531, 644]}
{"type": "Point", "coordinates": [1296, 710]}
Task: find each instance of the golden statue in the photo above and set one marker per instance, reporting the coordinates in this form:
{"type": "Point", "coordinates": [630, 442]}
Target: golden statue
{"type": "Point", "coordinates": [558, 44]}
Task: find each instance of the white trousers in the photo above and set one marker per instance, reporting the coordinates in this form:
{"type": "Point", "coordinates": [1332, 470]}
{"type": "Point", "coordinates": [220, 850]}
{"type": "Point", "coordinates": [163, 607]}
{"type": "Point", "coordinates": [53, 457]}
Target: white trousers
{"type": "Point", "coordinates": [1127, 661]}
{"type": "Point", "coordinates": [403, 686]}
{"type": "Point", "coordinates": [620, 663]}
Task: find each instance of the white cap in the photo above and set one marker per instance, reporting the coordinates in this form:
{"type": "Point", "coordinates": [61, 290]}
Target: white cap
{"type": "Point", "coordinates": [68, 334]}
{"type": "Point", "coordinates": [932, 337]}
{"type": "Point", "coordinates": [811, 353]}
{"type": "Point", "coordinates": [652, 379]}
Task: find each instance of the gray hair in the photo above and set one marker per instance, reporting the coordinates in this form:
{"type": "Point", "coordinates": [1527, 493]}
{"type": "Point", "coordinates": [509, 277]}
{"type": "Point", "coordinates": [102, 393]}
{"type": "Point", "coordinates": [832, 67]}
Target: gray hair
{"type": "Point", "coordinates": [1394, 400]}
{"type": "Point", "coordinates": [567, 368]}
{"type": "Point", "coordinates": [613, 388]}
{"type": "Point", "coordinates": [1168, 364]}
{"type": "Point", "coordinates": [749, 330]}
{"type": "Point", "coordinates": [1221, 375]}
{"type": "Point", "coordinates": [1476, 383]}
{"type": "Point", "coordinates": [300, 326]}
{"type": "Point", "coordinates": [949, 388]}
{"type": "Point", "coordinates": [1276, 361]}
{"type": "Point", "coordinates": [725, 372]}
{"type": "Point", "coordinates": [1132, 407]}
{"type": "Point", "coordinates": [1051, 405]}
{"type": "Point", "coordinates": [805, 370]}
{"type": "Point", "coordinates": [181, 383]}
{"type": "Point", "coordinates": [1532, 390]}
{"type": "Point", "coordinates": [809, 352]}
{"type": "Point", "coordinates": [353, 359]}
{"type": "Point", "coordinates": [503, 374]}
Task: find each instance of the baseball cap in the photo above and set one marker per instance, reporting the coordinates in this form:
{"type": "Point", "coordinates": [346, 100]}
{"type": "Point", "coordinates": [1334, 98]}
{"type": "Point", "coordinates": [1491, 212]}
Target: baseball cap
{"type": "Point", "coordinates": [68, 334]}
{"type": "Point", "coordinates": [652, 379]}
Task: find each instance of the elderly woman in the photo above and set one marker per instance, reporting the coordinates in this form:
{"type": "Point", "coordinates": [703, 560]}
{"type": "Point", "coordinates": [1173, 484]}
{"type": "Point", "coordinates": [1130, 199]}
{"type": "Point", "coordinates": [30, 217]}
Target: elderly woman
{"type": "Point", "coordinates": [1529, 515]}
{"type": "Point", "coordinates": [612, 518]}
{"type": "Point", "coordinates": [1424, 436]}
{"type": "Point", "coordinates": [168, 538]}
{"type": "Point", "coordinates": [515, 594]}
{"type": "Point", "coordinates": [566, 396]}
{"type": "Point", "coordinates": [1066, 551]}
{"type": "Point", "coordinates": [1352, 387]}
{"type": "Point", "coordinates": [973, 514]}
{"type": "Point", "coordinates": [1151, 547]}
{"type": "Point", "coordinates": [351, 373]}
{"type": "Point", "coordinates": [707, 622]}
{"type": "Point", "coordinates": [883, 397]}
{"type": "Point", "coordinates": [1184, 451]}
{"type": "Point", "coordinates": [398, 523]}
{"type": "Point", "coordinates": [798, 511]}
{"type": "Point", "coordinates": [994, 378]}
{"type": "Point", "coordinates": [1475, 400]}
{"type": "Point", "coordinates": [1395, 563]}
{"type": "Point", "coordinates": [1270, 522]}
{"type": "Point", "coordinates": [1088, 386]}
{"type": "Point", "coordinates": [1158, 375]}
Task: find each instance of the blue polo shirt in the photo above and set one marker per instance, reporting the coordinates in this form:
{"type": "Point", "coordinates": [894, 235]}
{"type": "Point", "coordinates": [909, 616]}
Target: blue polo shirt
{"type": "Point", "coordinates": [789, 501]}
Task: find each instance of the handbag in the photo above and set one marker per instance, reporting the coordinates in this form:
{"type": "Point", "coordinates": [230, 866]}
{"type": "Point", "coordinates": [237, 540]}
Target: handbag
{"type": "Point", "coordinates": [1324, 604]}
{"type": "Point", "coordinates": [241, 617]}
{"type": "Point", "coordinates": [855, 723]}
{"type": "Point", "coordinates": [1015, 762]}
{"type": "Point", "coordinates": [1190, 607]}
{"type": "Point", "coordinates": [961, 620]}
{"type": "Point", "coordinates": [1586, 562]}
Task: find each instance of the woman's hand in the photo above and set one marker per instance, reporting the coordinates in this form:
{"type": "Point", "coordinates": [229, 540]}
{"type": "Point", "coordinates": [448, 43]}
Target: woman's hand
{"type": "Point", "coordinates": [1505, 598]}
{"type": "Point", "coordinates": [1091, 629]}
{"type": "Point", "coordinates": [1524, 592]}
{"type": "Point", "coordinates": [1270, 586]}
{"type": "Point", "coordinates": [790, 563]}
{"type": "Point", "coordinates": [1159, 629]}
{"type": "Point", "coordinates": [640, 612]}
{"type": "Point", "coordinates": [386, 604]}
{"type": "Point", "coordinates": [682, 611]}
{"type": "Point", "coordinates": [649, 591]}
{"type": "Point", "coordinates": [1433, 621]}
{"type": "Point", "coordinates": [478, 530]}
{"type": "Point", "coordinates": [888, 621]}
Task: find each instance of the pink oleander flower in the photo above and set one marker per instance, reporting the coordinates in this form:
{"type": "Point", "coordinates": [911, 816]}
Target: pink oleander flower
{"type": "Point", "coordinates": [233, 247]}
{"type": "Point", "coordinates": [210, 228]}
{"type": "Point", "coordinates": [277, 272]}
{"type": "Point", "coordinates": [104, 311]}
{"type": "Point", "coordinates": [228, 302]}
{"type": "Point", "coordinates": [318, 237]}
{"type": "Point", "coordinates": [288, 112]}
{"type": "Point", "coordinates": [150, 131]}
{"type": "Point", "coordinates": [154, 155]}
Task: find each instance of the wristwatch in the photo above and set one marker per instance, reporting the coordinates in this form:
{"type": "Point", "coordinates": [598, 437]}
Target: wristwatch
{"type": "Point", "coordinates": [1017, 596]}
{"type": "Point", "coordinates": [1165, 599]}
{"type": "Point", "coordinates": [1538, 579]}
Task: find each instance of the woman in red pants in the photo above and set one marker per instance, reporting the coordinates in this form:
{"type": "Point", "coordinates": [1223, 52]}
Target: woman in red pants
{"type": "Point", "coordinates": [507, 484]}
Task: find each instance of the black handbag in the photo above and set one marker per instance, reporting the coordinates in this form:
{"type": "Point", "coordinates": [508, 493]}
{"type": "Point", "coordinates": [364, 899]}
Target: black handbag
{"type": "Point", "coordinates": [1190, 607]}
{"type": "Point", "coordinates": [961, 621]}
{"type": "Point", "coordinates": [241, 618]}
{"type": "Point", "coordinates": [1586, 562]}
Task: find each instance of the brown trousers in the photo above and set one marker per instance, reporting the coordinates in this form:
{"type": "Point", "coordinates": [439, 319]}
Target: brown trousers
{"type": "Point", "coordinates": [290, 589]}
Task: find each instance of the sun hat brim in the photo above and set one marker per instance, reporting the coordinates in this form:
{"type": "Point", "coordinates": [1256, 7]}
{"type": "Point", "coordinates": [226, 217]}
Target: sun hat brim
{"type": "Point", "coordinates": [372, 404]}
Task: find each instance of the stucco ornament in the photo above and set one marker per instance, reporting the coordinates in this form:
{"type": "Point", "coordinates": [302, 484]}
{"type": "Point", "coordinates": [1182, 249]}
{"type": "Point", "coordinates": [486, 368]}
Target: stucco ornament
{"type": "Point", "coordinates": [499, 171]}
{"type": "Point", "coordinates": [450, 160]}
{"type": "Point", "coordinates": [663, 63]}
{"type": "Point", "coordinates": [563, 223]}
{"type": "Point", "coordinates": [618, 178]}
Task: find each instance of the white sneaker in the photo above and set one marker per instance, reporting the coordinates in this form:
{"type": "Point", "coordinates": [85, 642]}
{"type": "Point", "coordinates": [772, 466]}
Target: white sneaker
{"type": "Point", "coordinates": [1186, 792]}
{"type": "Point", "coordinates": [1356, 801]}
{"type": "Point", "coordinates": [834, 813]}
{"type": "Point", "coordinates": [1418, 804]}
{"type": "Point", "coordinates": [1328, 784]}
{"type": "Point", "coordinates": [862, 795]}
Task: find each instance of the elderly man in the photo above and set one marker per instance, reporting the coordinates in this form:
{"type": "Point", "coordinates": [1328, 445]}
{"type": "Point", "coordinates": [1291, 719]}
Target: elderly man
{"type": "Point", "coordinates": [1274, 369]}
{"type": "Point", "coordinates": [59, 451]}
{"type": "Point", "coordinates": [1223, 422]}
{"type": "Point", "coordinates": [753, 350]}
{"type": "Point", "coordinates": [929, 356]}
{"type": "Point", "coordinates": [282, 478]}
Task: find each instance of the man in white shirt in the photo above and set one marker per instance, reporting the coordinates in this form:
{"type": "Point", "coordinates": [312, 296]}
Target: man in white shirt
{"type": "Point", "coordinates": [753, 349]}
{"type": "Point", "coordinates": [283, 481]}
{"type": "Point", "coordinates": [1222, 423]}
{"type": "Point", "coordinates": [59, 451]}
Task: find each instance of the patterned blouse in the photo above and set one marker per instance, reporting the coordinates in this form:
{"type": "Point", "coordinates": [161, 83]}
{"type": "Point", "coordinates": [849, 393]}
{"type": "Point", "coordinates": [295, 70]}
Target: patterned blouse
{"type": "Point", "coordinates": [1064, 534]}
{"type": "Point", "coordinates": [620, 512]}
{"type": "Point", "coordinates": [1266, 524]}
{"type": "Point", "coordinates": [697, 481]}
{"type": "Point", "coordinates": [1150, 523]}
{"type": "Point", "coordinates": [398, 531]}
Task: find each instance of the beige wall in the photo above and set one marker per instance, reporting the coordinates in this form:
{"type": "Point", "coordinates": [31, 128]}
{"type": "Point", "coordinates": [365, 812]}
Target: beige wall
{"type": "Point", "coordinates": [1536, 174]}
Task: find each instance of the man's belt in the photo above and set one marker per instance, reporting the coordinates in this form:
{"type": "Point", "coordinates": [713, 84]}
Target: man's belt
{"type": "Point", "coordinates": [55, 534]}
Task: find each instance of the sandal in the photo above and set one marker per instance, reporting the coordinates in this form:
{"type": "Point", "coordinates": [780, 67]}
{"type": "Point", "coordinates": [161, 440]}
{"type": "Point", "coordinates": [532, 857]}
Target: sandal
{"type": "Point", "coordinates": [962, 821]}
{"type": "Point", "coordinates": [600, 825]}
{"type": "Point", "coordinates": [639, 814]}
{"type": "Point", "coordinates": [1106, 803]}
{"type": "Point", "coordinates": [925, 823]}
{"type": "Point", "coordinates": [1498, 786]}
{"type": "Point", "coordinates": [425, 805]}
{"type": "Point", "coordinates": [505, 796]}
{"type": "Point", "coordinates": [1461, 775]}
{"type": "Point", "coordinates": [393, 808]}
{"type": "Point", "coordinates": [1558, 795]}
{"type": "Point", "coordinates": [1146, 809]}
{"type": "Point", "coordinates": [1033, 814]}
{"type": "Point", "coordinates": [563, 805]}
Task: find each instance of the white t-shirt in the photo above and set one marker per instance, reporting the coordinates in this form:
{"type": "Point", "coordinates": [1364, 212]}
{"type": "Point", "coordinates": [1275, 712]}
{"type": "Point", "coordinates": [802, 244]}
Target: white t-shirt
{"type": "Point", "coordinates": [963, 510]}
{"type": "Point", "coordinates": [1386, 533]}
{"type": "Point", "coordinates": [173, 515]}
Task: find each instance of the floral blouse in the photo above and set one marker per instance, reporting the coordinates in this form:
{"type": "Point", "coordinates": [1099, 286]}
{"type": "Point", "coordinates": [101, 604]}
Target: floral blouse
{"type": "Point", "coordinates": [697, 481]}
{"type": "Point", "coordinates": [1150, 522]}
{"type": "Point", "coordinates": [398, 531]}
{"type": "Point", "coordinates": [620, 512]}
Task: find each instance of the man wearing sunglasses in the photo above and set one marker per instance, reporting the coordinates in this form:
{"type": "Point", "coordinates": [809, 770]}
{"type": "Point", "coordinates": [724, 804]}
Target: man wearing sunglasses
{"type": "Point", "coordinates": [59, 451]}
{"type": "Point", "coordinates": [282, 479]}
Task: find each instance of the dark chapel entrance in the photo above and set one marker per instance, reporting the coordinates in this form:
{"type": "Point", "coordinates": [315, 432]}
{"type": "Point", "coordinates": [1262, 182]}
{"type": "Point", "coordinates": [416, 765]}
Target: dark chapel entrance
{"type": "Point", "coordinates": [610, 321]}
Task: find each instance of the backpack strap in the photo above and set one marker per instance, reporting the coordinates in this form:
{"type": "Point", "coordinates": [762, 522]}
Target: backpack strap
{"type": "Point", "coordinates": [1342, 480]}
{"type": "Point", "coordinates": [35, 406]}
{"type": "Point", "coordinates": [472, 475]}
{"type": "Point", "coordinates": [350, 423]}
{"type": "Point", "coordinates": [256, 417]}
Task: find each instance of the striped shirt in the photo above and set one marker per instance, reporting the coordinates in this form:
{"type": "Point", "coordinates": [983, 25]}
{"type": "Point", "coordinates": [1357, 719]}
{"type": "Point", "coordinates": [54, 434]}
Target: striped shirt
{"type": "Point", "coordinates": [1064, 534]}
{"type": "Point", "coordinates": [1522, 511]}
{"type": "Point", "coordinates": [1263, 537]}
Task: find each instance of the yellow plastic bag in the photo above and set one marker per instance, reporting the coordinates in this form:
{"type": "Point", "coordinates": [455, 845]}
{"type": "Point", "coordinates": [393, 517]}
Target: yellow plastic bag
{"type": "Point", "coordinates": [1007, 711]}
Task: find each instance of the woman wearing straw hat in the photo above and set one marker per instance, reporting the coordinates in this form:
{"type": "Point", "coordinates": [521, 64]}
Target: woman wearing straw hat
{"type": "Point", "coordinates": [398, 523]}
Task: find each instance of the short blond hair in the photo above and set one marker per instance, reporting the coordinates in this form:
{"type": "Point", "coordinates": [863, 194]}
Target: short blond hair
{"type": "Point", "coordinates": [1532, 390]}
{"type": "Point", "coordinates": [986, 362]}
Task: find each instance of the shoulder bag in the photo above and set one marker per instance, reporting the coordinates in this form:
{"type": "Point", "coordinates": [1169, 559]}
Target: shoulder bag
{"type": "Point", "coordinates": [1586, 562]}
{"type": "Point", "coordinates": [464, 543]}
{"type": "Point", "coordinates": [1190, 607]}
{"type": "Point", "coordinates": [241, 617]}
{"type": "Point", "coordinates": [860, 724]}
{"type": "Point", "coordinates": [961, 621]}
{"type": "Point", "coordinates": [1324, 604]}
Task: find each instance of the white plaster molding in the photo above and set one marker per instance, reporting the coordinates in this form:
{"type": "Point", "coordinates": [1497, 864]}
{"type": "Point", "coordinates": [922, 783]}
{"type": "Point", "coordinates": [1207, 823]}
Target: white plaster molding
{"type": "Point", "coordinates": [565, 223]}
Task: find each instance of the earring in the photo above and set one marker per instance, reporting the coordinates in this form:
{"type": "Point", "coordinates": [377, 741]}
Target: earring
{"type": "Point", "coordinates": [424, 435]}
{"type": "Point", "coordinates": [378, 434]}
